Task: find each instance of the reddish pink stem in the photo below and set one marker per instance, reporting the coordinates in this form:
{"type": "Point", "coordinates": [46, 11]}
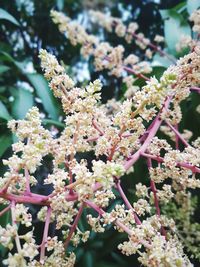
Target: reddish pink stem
{"type": "Point", "coordinates": [129, 70]}
{"type": "Point", "coordinates": [74, 225]}
{"type": "Point", "coordinates": [152, 132]}
{"type": "Point", "coordinates": [153, 189]}
{"type": "Point", "coordinates": [94, 123]}
{"type": "Point", "coordinates": [155, 47]}
{"type": "Point", "coordinates": [177, 133]}
{"type": "Point", "coordinates": [195, 89]}
{"type": "Point", "coordinates": [176, 137]}
{"type": "Point", "coordinates": [71, 192]}
{"type": "Point", "coordinates": [95, 207]}
{"type": "Point", "coordinates": [45, 235]}
{"type": "Point", "coordinates": [156, 201]}
{"type": "Point", "coordinates": [117, 222]}
{"type": "Point", "coordinates": [193, 168]}
{"type": "Point", "coordinates": [33, 198]}
{"type": "Point", "coordinates": [139, 75]}
{"type": "Point", "coordinates": [5, 209]}
{"type": "Point", "coordinates": [27, 176]}
{"type": "Point", "coordinates": [101, 212]}
{"type": "Point", "coordinates": [92, 139]}
{"type": "Point", "coordinates": [128, 204]}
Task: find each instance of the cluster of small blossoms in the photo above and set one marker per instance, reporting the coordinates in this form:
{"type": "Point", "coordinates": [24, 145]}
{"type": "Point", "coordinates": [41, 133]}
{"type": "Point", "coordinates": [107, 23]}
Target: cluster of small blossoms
{"type": "Point", "coordinates": [187, 134]}
{"type": "Point", "coordinates": [34, 143]}
{"type": "Point", "coordinates": [160, 252]}
{"type": "Point", "coordinates": [195, 18]}
{"type": "Point", "coordinates": [187, 228]}
{"type": "Point", "coordinates": [183, 74]}
{"type": "Point", "coordinates": [128, 32]}
{"type": "Point", "coordinates": [118, 133]}
{"type": "Point", "coordinates": [75, 33]}
{"type": "Point", "coordinates": [10, 237]}
{"type": "Point", "coordinates": [105, 55]}
{"type": "Point", "coordinates": [185, 42]}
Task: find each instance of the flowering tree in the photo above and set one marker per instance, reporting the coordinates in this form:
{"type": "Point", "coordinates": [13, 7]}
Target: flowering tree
{"type": "Point", "coordinates": [117, 134]}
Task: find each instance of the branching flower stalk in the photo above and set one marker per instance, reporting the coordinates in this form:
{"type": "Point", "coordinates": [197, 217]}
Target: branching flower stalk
{"type": "Point", "coordinates": [118, 139]}
{"type": "Point", "coordinates": [106, 56]}
{"type": "Point", "coordinates": [127, 203]}
{"type": "Point", "coordinates": [45, 235]}
{"type": "Point", "coordinates": [129, 33]}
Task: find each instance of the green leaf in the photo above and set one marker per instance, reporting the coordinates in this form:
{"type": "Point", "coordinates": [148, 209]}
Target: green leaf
{"type": "Point", "coordinates": [43, 91]}
{"type": "Point", "coordinates": [4, 114]}
{"type": "Point", "coordinates": [158, 71]}
{"type": "Point", "coordinates": [52, 122]}
{"type": "Point", "coordinates": [3, 69]}
{"type": "Point", "coordinates": [88, 259]}
{"type": "Point", "coordinates": [5, 15]}
{"type": "Point", "coordinates": [174, 28]}
{"type": "Point", "coordinates": [7, 57]}
{"type": "Point", "coordinates": [5, 143]}
{"type": "Point", "coordinates": [118, 258]}
{"type": "Point", "coordinates": [192, 5]}
{"type": "Point", "coordinates": [2, 89]}
{"type": "Point", "coordinates": [161, 61]}
{"type": "Point", "coordinates": [3, 251]}
{"type": "Point", "coordinates": [22, 103]}
{"type": "Point", "coordinates": [60, 4]}
{"type": "Point", "coordinates": [180, 7]}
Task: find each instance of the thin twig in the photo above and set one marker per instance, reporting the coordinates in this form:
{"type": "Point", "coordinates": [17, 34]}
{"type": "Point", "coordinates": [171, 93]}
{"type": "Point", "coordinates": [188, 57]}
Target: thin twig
{"type": "Point", "coordinates": [74, 225]}
{"type": "Point", "coordinates": [128, 204]}
{"type": "Point", "coordinates": [45, 235]}
{"type": "Point", "coordinates": [177, 133]}
{"type": "Point", "coordinates": [5, 210]}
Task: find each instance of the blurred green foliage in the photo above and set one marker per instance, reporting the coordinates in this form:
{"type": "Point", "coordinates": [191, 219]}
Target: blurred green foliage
{"type": "Point", "coordinates": [25, 27]}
